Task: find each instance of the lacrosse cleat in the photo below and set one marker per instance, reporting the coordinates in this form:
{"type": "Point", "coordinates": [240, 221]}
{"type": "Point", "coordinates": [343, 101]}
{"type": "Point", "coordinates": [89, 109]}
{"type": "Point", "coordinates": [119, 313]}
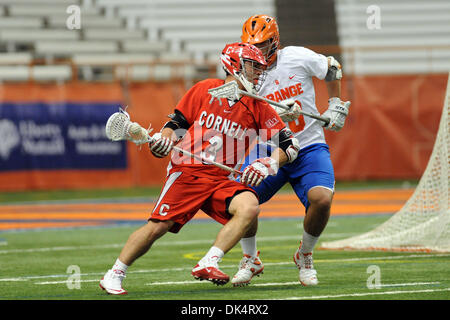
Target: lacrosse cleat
{"type": "Point", "coordinates": [248, 268]}
{"type": "Point", "coordinates": [112, 282]}
{"type": "Point", "coordinates": [307, 273]}
{"type": "Point", "coordinates": [209, 270]}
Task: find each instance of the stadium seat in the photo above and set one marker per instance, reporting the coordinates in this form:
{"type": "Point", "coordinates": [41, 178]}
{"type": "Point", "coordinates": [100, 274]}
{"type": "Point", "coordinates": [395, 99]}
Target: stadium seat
{"type": "Point", "coordinates": [157, 72]}
{"type": "Point", "coordinates": [33, 35]}
{"type": "Point", "coordinates": [21, 22]}
{"type": "Point", "coordinates": [86, 22]}
{"type": "Point", "coordinates": [51, 73]}
{"type": "Point", "coordinates": [111, 59]}
{"type": "Point", "coordinates": [26, 10]}
{"type": "Point", "coordinates": [131, 32]}
{"type": "Point", "coordinates": [67, 48]}
{"type": "Point", "coordinates": [14, 73]}
{"type": "Point", "coordinates": [412, 37]}
{"type": "Point", "coordinates": [41, 2]}
{"type": "Point", "coordinates": [144, 46]}
{"type": "Point", "coordinates": [16, 58]}
{"type": "Point", "coordinates": [42, 73]}
{"type": "Point", "coordinates": [112, 34]}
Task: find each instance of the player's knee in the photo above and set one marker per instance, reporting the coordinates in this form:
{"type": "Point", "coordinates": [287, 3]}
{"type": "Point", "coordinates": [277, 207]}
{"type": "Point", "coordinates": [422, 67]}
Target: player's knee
{"type": "Point", "coordinates": [156, 229]}
{"type": "Point", "coordinates": [320, 199]}
{"type": "Point", "coordinates": [244, 205]}
{"type": "Point", "coordinates": [248, 211]}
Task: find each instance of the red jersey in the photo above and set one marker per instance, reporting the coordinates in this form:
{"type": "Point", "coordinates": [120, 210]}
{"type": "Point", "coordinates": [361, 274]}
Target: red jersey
{"type": "Point", "coordinates": [222, 133]}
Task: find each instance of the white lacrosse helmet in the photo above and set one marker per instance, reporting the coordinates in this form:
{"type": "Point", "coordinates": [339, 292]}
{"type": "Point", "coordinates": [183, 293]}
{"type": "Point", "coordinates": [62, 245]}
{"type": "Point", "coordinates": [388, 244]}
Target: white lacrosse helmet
{"type": "Point", "coordinates": [246, 63]}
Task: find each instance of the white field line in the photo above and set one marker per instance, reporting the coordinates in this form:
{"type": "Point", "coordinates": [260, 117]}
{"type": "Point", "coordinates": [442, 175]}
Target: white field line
{"type": "Point", "coordinates": [408, 284]}
{"type": "Point", "coordinates": [366, 294]}
{"type": "Point", "coordinates": [253, 284]}
{"type": "Point", "coordinates": [120, 245]}
{"type": "Point", "coordinates": [270, 283]}
{"type": "Point", "coordinates": [411, 256]}
{"type": "Point", "coordinates": [162, 243]}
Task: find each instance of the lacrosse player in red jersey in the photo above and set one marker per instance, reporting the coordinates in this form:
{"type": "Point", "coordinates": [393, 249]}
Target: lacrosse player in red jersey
{"type": "Point", "coordinates": [289, 80]}
{"type": "Point", "coordinates": [218, 130]}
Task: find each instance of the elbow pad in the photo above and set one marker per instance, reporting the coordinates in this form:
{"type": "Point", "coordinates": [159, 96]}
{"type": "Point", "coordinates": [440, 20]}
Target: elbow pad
{"type": "Point", "coordinates": [289, 144]}
{"type": "Point", "coordinates": [334, 70]}
{"type": "Point", "coordinates": [178, 123]}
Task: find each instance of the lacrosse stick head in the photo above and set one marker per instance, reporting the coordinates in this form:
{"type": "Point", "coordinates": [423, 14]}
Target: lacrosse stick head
{"type": "Point", "coordinates": [246, 63]}
{"type": "Point", "coordinates": [119, 127]}
{"type": "Point", "coordinates": [229, 90]}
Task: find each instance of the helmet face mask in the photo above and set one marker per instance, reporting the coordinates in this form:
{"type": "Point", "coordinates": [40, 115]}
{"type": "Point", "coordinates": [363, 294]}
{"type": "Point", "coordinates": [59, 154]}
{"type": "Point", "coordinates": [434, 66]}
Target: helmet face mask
{"type": "Point", "coordinates": [246, 64]}
{"type": "Point", "coordinates": [269, 48]}
{"type": "Point", "coordinates": [254, 73]}
{"type": "Point", "coordinates": [262, 31]}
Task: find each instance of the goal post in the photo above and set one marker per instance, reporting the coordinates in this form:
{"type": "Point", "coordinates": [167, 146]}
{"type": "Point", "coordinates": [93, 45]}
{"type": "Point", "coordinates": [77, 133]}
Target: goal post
{"type": "Point", "coordinates": [423, 223]}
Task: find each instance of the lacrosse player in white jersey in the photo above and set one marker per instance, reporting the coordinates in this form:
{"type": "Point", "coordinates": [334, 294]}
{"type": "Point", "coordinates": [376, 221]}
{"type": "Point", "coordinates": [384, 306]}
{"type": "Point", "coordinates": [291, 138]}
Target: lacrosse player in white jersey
{"type": "Point", "coordinates": [311, 175]}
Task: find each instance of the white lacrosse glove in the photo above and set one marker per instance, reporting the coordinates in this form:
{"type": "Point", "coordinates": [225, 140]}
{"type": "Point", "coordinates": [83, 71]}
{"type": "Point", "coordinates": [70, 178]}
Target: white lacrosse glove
{"type": "Point", "coordinates": [337, 113]}
{"type": "Point", "coordinates": [289, 115]}
{"type": "Point", "coordinates": [160, 146]}
{"type": "Point", "coordinates": [258, 170]}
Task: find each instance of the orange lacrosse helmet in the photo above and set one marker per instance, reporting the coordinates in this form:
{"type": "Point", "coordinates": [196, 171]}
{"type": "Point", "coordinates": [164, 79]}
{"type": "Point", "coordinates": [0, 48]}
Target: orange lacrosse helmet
{"type": "Point", "coordinates": [260, 28]}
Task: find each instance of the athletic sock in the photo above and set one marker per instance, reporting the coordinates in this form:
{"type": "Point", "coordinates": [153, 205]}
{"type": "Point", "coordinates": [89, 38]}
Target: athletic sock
{"type": "Point", "coordinates": [249, 246]}
{"type": "Point", "coordinates": [213, 254]}
{"type": "Point", "coordinates": [308, 242]}
{"type": "Point", "coordinates": [120, 266]}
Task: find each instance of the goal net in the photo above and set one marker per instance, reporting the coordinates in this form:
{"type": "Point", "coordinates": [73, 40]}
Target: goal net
{"type": "Point", "coordinates": [423, 223]}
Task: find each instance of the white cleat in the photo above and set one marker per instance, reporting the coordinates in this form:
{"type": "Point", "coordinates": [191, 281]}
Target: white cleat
{"type": "Point", "coordinates": [112, 282]}
{"type": "Point", "coordinates": [248, 268]}
{"type": "Point", "coordinates": [307, 273]}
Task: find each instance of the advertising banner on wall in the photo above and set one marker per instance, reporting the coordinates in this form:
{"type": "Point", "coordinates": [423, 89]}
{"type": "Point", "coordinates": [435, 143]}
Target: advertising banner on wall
{"type": "Point", "coordinates": [52, 136]}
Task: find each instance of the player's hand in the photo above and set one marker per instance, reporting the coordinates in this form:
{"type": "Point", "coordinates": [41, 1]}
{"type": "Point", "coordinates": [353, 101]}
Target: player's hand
{"type": "Point", "coordinates": [160, 146]}
{"type": "Point", "coordinates": [258, 170]}
{"type": "Point", "coordinates": [337, 113]}
{"type": "Point", "coordinates": [289, 115]}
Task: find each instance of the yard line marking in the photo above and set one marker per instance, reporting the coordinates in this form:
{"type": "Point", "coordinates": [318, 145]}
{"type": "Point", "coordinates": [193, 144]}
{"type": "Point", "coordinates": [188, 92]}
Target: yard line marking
{"type": "Point", "coordinates": [67, 248]}
{"type": "Point", "coordinates": [162, 243]}
{"type": "Point", "coordinates": [65, 281]}
{"type": "Point", "coordinates": [253, 284]}
{"type": "Point", "coordinates": [26, 278]}
{"type": "Point", "coordinates": [408, 284]}
{"type": "Point", "coordinates": [234, 266]}
{"type": "Point", "coordinates": [108, 246]}
{"type": "Point", "coordinates": [176, 282]}
{"type": "Point", "coordinates": [275, 284]}
{"type": "Point", "coordinates": [365, 294]}
{"type": "Point", "coordinates": [385, 258]}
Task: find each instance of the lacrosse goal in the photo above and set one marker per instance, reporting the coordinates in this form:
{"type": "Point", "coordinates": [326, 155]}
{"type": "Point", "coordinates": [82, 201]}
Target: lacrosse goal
{"type": "Point", "coordinates": [423, 224]}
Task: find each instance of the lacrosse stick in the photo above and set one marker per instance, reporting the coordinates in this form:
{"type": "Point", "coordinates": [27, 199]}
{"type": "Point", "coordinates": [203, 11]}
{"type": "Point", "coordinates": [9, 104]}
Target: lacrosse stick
{"type": "Point", "coordinates": [119, 127]}
{"type": "Point", "coordinates": [230, 90]}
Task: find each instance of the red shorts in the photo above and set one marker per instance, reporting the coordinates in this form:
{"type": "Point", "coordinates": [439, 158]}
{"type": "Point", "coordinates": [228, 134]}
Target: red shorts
{"type": "Point", "coordinates": [183, 195]}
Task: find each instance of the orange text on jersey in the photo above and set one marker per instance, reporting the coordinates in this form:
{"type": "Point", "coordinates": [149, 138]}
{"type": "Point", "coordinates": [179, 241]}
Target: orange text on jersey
{"type": "Point", "coordinates": [286, 93]}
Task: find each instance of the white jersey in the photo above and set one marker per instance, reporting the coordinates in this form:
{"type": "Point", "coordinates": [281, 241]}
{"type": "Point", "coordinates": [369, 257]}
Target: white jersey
{"type": "Point", "coordinates": [291, 78]}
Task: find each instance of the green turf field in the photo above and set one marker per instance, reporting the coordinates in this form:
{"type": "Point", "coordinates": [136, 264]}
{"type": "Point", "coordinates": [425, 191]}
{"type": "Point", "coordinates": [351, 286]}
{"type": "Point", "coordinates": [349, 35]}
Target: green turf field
{"type": "Point", "coordinates": [43, 264]}
{"type": "Point", "coordinates": [35, 265]}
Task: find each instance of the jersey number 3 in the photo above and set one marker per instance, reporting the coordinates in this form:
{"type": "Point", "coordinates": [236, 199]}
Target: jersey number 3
{"type": "Point", "coordinates": [210, 152]}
